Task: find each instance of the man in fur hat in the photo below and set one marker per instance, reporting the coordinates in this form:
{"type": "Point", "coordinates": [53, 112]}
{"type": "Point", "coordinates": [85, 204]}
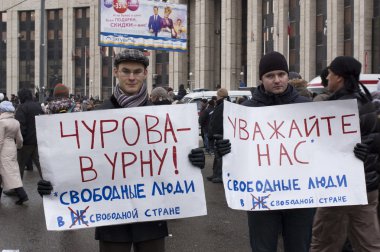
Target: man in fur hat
{"type": "Point", "coordinates": [130, 68]}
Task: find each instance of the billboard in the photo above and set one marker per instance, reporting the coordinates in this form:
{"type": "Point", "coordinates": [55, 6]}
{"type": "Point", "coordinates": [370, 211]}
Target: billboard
{"type": "Point", "coordinates": [143, 24]}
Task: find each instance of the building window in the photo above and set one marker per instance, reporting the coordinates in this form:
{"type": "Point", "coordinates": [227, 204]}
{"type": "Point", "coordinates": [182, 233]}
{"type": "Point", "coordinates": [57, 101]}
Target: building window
{"type": "Point", "coordinates": [54, 49]}
{"type": "Point", "coordinates": [376, 37]}
{"type": "Point", "coordinates": [321, 36]}
{"type": "Point", "coordinates": [107, 66]}
{"type": "Point", "coordinates": [82, 42]}
{"type": "Point", "coordinates": [268, 27]}
{"type": "Point", "coordinates": [348, 27]}
{"type": "Point", "coordinates": [26, 49]}
{"type": "Point", "coordinates": [162, 69]}
{"type": "Point", "coordinates": [294, 35]}
{"type": "Point", "coordinates": [3, 52]}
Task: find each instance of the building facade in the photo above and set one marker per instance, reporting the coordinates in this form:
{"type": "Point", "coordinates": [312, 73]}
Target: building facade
{"type": "Point", "coordinates": [226, 39]}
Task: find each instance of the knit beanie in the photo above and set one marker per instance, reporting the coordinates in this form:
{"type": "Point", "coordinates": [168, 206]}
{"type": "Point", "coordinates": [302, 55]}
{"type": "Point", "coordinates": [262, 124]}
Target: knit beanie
{"type": "Point", "coordinates": [6, 106]}
{"type": "Point", "coordinates": [272, 61]}
{"type": "Point", "coordinates": [222, 92]}
{"type": "Point", "coordinates": [60, 91]}
{"type": "Point", "coordinates": [346, 67]}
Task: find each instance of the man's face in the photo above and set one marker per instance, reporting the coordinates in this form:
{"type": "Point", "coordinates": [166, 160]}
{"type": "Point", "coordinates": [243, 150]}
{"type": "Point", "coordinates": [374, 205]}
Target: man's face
{"type": "Point", "coordinates": [155, 11]}
{"type": "Point", "coordinates": [131, 76]}
{"type": "Point", "coordinates": [275, 82]}
{"type": "Point", "coordinates": [335, 82]}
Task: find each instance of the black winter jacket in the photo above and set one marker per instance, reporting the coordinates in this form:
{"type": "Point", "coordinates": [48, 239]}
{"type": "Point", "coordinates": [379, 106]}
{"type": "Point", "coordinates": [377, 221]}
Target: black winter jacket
{"type": "Point", "coordinates": [215, 126]}
{"type": "Point", "coordinates": [369, 129]}
{"type": "Point", "coordinates": [134, 232]}
{"type": "Point", "coordinates": [25, 114]}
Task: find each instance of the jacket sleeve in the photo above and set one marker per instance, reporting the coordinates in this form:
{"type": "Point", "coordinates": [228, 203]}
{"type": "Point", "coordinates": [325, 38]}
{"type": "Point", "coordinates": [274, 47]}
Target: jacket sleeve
{"type": "Point", "coordinates": [203, 118]}
{"type": "Point", "coordinates": [1, 137]}
{"type": "Point", "coordinates": [20, 116]}
{"type": "Point", "coordinates": [19, 139]}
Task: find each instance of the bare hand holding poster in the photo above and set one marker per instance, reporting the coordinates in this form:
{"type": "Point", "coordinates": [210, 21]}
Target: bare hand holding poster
{"type": "Point", "coordinates": [119, 166]}
{"type": "Point", "coordinates": [293, 156]}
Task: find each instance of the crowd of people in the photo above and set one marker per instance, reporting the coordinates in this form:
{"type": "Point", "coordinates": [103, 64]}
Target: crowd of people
{"type": "Point", "coordinates": [353, 228]}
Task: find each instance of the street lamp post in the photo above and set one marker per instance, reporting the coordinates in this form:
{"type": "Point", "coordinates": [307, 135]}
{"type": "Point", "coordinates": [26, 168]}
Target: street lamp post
{"type": "Point", "coordinates": [242, 83]}
{"type": "Point", "coordinates": [42, 52]}
{"type": "Point", "coordinates": [189, 80]}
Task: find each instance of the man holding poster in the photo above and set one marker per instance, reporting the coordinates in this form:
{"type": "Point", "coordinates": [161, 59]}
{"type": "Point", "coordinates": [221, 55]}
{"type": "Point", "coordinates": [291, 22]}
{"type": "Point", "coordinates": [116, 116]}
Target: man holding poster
{"type": "Point", "coordinates": [130, 68]}
{"type": "Point", "coordinates": [294, 224]}
{"type": "Point", "coordinates": [360, 223]}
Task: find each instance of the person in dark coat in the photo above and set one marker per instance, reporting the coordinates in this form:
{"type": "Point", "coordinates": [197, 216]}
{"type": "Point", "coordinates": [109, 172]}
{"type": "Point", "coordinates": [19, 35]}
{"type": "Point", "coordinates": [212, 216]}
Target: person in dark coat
{"type": "Point", "coordinates": [216, 129]}
{"type": "Point", "coordinates": [130, 68]}
{"type": "Point", "coordinates": [294, 224]}
{"type": "Point", "coordinates": [204, 121]}
{"type": "Point", "coordinates": [181, 92]}
{"type": "Point", "coordinates": [25, 114]}
{"type": "Point", "coordinates": [360, 223]}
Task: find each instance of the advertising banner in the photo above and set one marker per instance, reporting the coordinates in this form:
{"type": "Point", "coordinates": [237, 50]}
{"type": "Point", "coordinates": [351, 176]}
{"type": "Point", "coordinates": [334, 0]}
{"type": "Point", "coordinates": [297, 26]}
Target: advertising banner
{"type": "Point", "coordinates": [143, 24]}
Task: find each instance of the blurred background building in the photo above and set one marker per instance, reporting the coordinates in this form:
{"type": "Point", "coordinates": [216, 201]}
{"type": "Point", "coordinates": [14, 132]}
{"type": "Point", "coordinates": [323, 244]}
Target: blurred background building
{"type": "Point", "coordinates": [226, 39]}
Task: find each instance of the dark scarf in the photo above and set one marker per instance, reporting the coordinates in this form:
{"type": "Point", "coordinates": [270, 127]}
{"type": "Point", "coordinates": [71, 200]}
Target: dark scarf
{"type": "Point", "coordinates": [129, 101]}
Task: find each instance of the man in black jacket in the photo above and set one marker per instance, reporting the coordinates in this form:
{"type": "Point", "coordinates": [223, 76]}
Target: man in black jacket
{"type": "Point", "coordinates": [25, 114]}
{"type": "Point", "coordinates": [265, 226]}
{"type": "Point", "coordinates": [360, 223]}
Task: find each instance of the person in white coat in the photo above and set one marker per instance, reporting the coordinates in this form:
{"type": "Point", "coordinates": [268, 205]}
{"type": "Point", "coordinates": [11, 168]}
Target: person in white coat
{"type": "Point", "coordinates": [10, 140]}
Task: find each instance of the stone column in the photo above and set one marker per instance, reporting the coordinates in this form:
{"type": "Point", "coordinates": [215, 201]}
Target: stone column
{"type": "Point", "coordinates": [281, 10]}
{"type": "Point", "coordinates": [204, 37]}
{"type": "Point", "coordinates": [363, 13]}
{"type": "Point", "coordinates": [151, 79]}
{"type": "Point", "coordinates": [95, 69]}
{"type": "Point", "coordinates": [307, 39]}
{"type": "Point", "coordinates": [335, 29]}
{"type": "Point", "coordinates": [254, 38]}
{"type": "Point", "coordinates": [68, 74]}
{"type": "Point", "coordinates": [178, 61]}
{"type": "Point", "coordinates": [12, 52]}
{"type": "Point", "coordinates": [231, 44]}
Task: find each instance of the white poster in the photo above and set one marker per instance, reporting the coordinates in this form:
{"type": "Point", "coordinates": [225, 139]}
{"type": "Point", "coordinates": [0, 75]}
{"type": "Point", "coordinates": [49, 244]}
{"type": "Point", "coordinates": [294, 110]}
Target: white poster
{"type": "Point", "coordinates": [293, 156]}
{"type": "Point", "coordinates": [120, 166]}
{"type": "Point", "coordinates": [143, 24]}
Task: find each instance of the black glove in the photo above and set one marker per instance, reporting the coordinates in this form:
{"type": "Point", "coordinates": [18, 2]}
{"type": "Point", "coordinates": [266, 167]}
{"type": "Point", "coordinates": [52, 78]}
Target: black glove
{"type": "Point", "coordinates": [222, 146]}
{"type": "Point", "coordinates": [44, 187]}
{"type": "Point", "coordinates": [197, 158]}
{"type": "Point", "coordinates": [362, 150]}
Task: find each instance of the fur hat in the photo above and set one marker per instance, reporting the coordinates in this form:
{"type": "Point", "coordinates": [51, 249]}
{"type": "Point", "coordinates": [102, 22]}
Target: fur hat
{"type": "Point", "coordinates": [222, 92]}
{"type": "Point", "coordinates": [6, 106]}
{"type": "Point", "coordinates": [271, 62]}
{"type": "Point", "coordinates": [346, 67]}
{"type": "Point", "coordinates": [131, 55]}
{"type": "Point", "coordinates": [159, 94]}
{"type": "Point", "coordinates": [294, 76]}
{"type": "Point", "coordinates": [61, 91]}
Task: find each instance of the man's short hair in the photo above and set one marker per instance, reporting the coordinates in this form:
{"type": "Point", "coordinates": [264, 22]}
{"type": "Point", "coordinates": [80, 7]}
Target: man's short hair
{"type": "Point", "coordinates": [131, 55]}
{"type": "Point", "coordinates": [222, 92]}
